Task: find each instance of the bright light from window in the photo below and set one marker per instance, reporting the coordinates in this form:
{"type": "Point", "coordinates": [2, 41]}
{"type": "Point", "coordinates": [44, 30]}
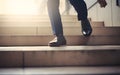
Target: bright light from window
{"type": "Point", "coordinates": [21, 7]}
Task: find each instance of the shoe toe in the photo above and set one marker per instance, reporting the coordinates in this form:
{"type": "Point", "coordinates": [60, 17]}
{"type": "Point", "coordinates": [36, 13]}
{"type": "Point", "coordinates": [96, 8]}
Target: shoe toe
{"type": "Point", "coordinates": [87, 32]}
{"type": "Point", "coordinates": [57, 42]}
{"type": "Point", "coordinates": [53, 44]}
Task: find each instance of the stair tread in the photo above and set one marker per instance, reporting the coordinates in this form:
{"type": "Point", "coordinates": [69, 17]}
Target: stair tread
{"type": "Point", "coordinates": [66, 24]}
{"type": "Point", "coordinates": [46, 31]}
{"type": "Point", "coordinates": [63, 70]}
{"type": "Point", "coordinates": [62, 48]}
{"type": "Point", "coordinates": [23, 20]}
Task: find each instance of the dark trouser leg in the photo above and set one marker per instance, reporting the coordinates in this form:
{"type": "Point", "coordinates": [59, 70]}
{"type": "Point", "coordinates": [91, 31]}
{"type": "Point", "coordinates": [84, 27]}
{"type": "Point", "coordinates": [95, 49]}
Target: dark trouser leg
{"type": "Point", "coordinates": [55, 18]}
{"type": "Point", "coordinates": [81, 8]}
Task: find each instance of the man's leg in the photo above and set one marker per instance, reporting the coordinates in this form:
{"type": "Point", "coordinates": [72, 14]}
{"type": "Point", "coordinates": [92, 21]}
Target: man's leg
{"type": "Point", "coordinates": [55, 18]}
{"type": "Point", "coordinates": [53, 11]}
{"type": "Point", "coordinates": [81, 8]}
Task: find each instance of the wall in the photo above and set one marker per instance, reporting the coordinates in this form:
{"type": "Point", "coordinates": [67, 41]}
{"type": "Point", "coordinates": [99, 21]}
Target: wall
{"type": "Point", "coordinates": [110, 14]}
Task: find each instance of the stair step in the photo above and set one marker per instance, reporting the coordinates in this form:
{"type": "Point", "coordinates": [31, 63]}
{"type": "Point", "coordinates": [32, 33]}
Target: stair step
{"type": "Point", "coordinates": [106, 31]}
{"type": "Point", "coordinates": [47, 24]}
{"type": "Point", "coordinates": [44, 56]}
{"type": "Point", "coordinates": [37, 18]}
{"type": "Point", "coordinates": [61, 48]}
{"type": "Point", "coordinates": [39, 25]}
{"type": "Point", "coordinates": [115, 70]}
{"type": "Point", "coordinates": [100, 36]}
{"type": "Point", "coordinates": [97, 24]}
{"type": "Point", "coordinates": [71, 40]}
{"type": "Point", "coordinates": [44, 28]}
{"type": "Point", "coordinates": [34, 16]}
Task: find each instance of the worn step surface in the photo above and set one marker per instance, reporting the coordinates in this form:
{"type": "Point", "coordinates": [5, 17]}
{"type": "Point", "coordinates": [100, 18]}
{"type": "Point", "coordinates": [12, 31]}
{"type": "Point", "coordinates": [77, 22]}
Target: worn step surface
{"type": "Point", "coordinates": [44, 56]}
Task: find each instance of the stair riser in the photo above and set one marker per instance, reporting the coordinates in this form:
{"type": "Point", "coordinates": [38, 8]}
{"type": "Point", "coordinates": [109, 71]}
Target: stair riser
{"type": "Point", "coordinates": [37, 18]}
{"type": "Point", "coordinates": [59, 58]}
{"type": "Point", "coordinates": [71, 40]}
{"type": "Point", "coordinates": [11, 59]}
{"type": "Point", "coordinates": [46, 24]}
{"type": "Point", "coordinates": [48, 31]}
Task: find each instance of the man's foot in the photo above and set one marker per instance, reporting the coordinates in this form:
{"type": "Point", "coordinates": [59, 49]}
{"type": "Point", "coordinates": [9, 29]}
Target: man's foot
{"type": "Point", "coordinates": [86, 27]}
{"type": "Point", "coordinates": [57, 41]}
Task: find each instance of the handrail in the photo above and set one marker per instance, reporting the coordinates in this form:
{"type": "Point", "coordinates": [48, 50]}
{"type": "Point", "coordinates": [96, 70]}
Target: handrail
{"type": "Point", "coordinates": [92, 5]}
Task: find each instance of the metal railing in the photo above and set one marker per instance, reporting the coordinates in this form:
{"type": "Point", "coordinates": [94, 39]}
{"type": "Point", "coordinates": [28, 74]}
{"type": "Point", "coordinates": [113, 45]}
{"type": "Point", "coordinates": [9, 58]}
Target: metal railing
{"type": "Point", "coordinates": [92, 5]}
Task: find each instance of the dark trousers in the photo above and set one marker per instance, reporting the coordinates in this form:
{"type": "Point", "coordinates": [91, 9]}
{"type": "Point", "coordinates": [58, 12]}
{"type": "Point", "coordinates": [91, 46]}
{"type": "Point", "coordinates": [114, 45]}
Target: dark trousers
{"type": "Point", "coordinates": [54, 14]}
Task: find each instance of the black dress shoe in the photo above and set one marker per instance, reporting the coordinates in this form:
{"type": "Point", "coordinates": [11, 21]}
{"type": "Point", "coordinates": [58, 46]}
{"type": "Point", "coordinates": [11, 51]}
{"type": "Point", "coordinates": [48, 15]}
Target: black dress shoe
{"type": "Point", "coordinates": [57, 41]}
{"type": "Point", "coordinates": [86, 27]}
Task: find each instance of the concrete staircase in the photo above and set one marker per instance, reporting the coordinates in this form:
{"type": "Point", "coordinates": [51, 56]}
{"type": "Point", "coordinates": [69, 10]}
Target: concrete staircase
{"type": "Point", "coordinates": [23, 41]}
{"type": "Point", "coordinates": [36, 31]}
{"type": "Point", "coordinates": [44, 56]}
{"type": "Point", "coordinates": [62, 71]}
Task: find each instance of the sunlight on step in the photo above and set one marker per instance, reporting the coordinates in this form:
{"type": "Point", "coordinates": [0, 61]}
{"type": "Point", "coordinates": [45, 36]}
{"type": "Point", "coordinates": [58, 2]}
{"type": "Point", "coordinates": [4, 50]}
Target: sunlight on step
{"type": "Point", "coordinates": [62, 71]}
{"type": "Point", "coordinates": [62, 48]}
